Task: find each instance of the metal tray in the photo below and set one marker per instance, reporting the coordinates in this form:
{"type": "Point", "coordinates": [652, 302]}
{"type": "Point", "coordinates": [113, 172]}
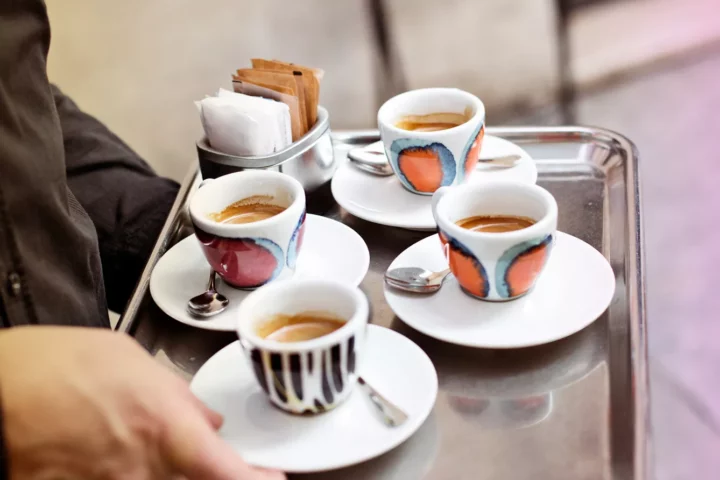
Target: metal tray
{"type": "Point", "coordinates": [574, 409]}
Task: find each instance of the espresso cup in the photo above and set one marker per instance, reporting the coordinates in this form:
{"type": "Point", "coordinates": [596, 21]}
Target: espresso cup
{"type": "Point", "coordinates": [427, 160]}
{"type": "Point", "coordinates": [248, 255]}
{"type": "Point", "coordinates": [496, 266]}
{"type": "Point", "coordinates": [310, 376]}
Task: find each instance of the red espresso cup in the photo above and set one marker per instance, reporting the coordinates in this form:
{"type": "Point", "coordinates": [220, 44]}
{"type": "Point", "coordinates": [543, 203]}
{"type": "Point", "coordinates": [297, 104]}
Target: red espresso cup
{"type": "Point", "coordinates": [249, 255]}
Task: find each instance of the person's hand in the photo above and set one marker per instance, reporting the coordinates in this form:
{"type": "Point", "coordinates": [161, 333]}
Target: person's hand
{"type": "Point", "coordinates": [91, 404]}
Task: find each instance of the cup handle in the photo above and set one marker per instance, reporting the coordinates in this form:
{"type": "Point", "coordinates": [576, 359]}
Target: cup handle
{"type": "Point", "coordinates": [439, 193]}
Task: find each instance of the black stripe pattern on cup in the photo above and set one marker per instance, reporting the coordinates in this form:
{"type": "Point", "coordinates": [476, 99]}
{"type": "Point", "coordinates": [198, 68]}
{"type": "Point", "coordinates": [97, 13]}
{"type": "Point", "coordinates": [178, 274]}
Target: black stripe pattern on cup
{"type": "Point", "coordinates": [308, 382]}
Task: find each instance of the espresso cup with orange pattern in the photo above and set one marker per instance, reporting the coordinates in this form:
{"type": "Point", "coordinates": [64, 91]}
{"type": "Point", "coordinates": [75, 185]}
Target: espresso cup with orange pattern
{"type": "Point", "coordinates": [432, 137]}
{"type": "Point", "coordinates": [497, 236]}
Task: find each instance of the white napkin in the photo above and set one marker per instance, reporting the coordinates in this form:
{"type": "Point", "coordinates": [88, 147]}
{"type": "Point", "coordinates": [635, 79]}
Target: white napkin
{"type": "Point", "coordinates": [239, 124]}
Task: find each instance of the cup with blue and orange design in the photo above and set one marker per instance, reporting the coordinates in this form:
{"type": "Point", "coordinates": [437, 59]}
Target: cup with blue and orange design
{"type": "Point", "coordinates": [432, 137]}
{"type": "Point", "coordinates": [497, 236]}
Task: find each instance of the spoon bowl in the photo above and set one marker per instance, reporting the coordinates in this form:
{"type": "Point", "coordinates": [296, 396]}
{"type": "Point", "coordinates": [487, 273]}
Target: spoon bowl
{"type": "Point", "coordinates": [370, 160]}
{"type": "Point", "coordinates": [415, 279]}
{"type": "Point", "coordinates": [208, 303]}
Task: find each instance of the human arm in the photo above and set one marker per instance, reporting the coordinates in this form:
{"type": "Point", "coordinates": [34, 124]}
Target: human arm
{"type": "Point", "coordinates": [91, 404]}
{"type": "Point", "coordinates": [126, 200]}
{"type": "Point", "coordinates": [50, 269]}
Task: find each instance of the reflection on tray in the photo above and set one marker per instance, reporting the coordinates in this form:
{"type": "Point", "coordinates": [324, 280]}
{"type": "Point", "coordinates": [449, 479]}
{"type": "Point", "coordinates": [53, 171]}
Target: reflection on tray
{"type": "Point", "coordinates": [503, 413]}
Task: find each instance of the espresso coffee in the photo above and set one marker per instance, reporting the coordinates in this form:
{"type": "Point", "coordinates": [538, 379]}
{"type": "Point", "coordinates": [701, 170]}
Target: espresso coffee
{"type": "Point", "coordinates": [248, 210]}
{"type": "Point", "coordinates": [495, 223]}
{"type": "Point", "coordinates": [432, 122]}
{"type": "Point", "coordinates": [299, 327]}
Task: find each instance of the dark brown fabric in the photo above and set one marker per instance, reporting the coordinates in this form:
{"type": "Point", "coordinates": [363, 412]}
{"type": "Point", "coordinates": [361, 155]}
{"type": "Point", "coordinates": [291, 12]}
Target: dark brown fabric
{"type": "Point", "coordinates": [127, 202]}
{"type": "Point", "coordinates": [48, 246]}
{"type": "Point", "coordinates": [54, 171]}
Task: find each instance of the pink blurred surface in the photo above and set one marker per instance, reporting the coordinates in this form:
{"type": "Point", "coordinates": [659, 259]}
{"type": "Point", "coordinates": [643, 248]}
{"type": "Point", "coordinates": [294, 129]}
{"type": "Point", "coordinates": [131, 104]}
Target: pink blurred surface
{"type": "Point", "coordinates": [673, 116]}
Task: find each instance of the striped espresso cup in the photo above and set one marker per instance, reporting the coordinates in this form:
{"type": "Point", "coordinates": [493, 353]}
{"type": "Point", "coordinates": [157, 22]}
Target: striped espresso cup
{"type": "Point", "coordinates": [311, 375]}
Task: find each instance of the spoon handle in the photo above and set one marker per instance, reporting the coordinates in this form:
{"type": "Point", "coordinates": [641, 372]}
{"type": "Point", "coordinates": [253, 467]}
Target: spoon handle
{"type": "Point", "coordinates": [372, 162]}
{"type": "Point", "coordinates": [438, 275]}
{"type": "Point", "coordinates": [392, 415]}
{"type": "Point", "coordinates": [211, 282]}
{"type": "Point", "coordinates": [502, 161]}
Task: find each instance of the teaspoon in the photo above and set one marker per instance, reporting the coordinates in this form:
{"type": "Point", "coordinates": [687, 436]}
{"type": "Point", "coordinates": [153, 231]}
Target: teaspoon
{"type": "Point", "coordinates": [208, 303]}
{"type": "Point", "coordinates": [392, 415]}
{"type": "Point", "coordinates": [415, 279]}
{"type": "Point", "coordinates": [371, 158]}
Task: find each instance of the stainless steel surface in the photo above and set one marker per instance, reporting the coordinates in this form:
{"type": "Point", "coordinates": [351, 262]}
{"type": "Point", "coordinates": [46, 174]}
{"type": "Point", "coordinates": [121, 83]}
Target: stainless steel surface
{"type": "Point", "coordinates": [391, 414]}
{"type": "Point", "coordinates": [574, 409]}
{"type": "Point", "coordinates": [416, 279]}
{"type": "Point", "coordinates": [208, 303]}
{"type": "Point", "coordinates": [310, 160]}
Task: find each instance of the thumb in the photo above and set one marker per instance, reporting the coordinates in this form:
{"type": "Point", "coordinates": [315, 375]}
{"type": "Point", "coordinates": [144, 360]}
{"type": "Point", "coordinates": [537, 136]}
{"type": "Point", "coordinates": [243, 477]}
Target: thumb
{"type": "Point", "coordinates": [195, 450]}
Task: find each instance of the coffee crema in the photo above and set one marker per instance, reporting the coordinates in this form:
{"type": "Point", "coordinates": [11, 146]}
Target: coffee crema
{"type": "Point", "coordinates": [495, 223]}
{"type": "Point", "coordinates": [248, 210]}
{"type": "Point", "coordinates": [299, 327]}
{"type": "Point", "coordinates": [432, 122]}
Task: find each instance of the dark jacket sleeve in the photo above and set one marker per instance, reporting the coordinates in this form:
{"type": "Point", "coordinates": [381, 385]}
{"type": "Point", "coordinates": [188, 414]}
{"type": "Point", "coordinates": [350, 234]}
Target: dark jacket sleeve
{"type": "Point", "coordinates": [126, 200]}
{"type": "Point", "coordinates": [50, 269]}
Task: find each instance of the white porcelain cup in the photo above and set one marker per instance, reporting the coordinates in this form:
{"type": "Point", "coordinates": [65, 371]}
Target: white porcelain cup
{"type": "Point", "coordinates": [425, 161]}
{"type": "Point", "coordinates": [311, 376]}
{"type": "Point", "coordinates": [496, 266]}
{"type": "Point", "coordinates": [249, 255]}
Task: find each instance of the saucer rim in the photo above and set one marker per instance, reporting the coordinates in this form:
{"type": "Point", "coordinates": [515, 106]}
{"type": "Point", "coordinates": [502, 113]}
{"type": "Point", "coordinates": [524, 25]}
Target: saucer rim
{"type": "Point", "coordinates": [410, 225]}
{"type": "Point", "coordinates": [457, 340]}
{"type": "Point", "coordinates": [420, 418]}
{"type": "Point", "coordinates": [212, 326]}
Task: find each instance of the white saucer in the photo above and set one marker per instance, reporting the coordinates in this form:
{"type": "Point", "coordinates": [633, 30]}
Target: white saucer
{"type": "Point", "coordinates": [383, 200]}
{"type": "Point", "coordinates": [575, 288]}
{"type": "Point", "coordinates": [351, 433]}
{"type": "Point", "coordinates": [330, 250]}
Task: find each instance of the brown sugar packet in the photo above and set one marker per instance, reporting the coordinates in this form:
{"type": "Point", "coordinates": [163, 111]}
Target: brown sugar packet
{"type": "Point", "coordinates": [300, 84]}
{"type": "Point", "coordinates": [279, 93]}
{"type": "Point", "coordinates": [309, 77]}
{"type": "Point", "coordinates": [284, 80]}
{"type": "Point", "coordinates": [285, 83]}
{"type": "Point", "coordinates": [319, 72]}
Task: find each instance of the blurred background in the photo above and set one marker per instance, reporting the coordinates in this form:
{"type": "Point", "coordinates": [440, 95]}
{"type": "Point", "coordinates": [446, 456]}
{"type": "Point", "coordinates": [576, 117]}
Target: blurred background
{"type": "Point", "coordinates": [649, 69]}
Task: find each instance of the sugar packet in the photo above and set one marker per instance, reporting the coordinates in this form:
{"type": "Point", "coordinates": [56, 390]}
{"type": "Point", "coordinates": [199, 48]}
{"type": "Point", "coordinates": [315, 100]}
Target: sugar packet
{"type": "Point", "coordinates": [243, 125]}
